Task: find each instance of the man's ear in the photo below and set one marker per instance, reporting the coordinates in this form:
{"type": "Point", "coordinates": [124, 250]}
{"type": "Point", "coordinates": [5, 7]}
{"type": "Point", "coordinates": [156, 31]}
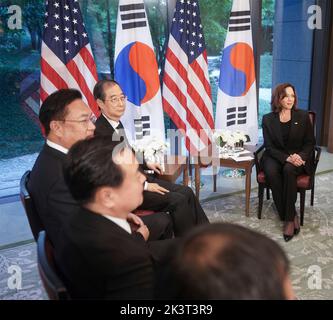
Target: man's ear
{"type": "Point", "coordinates": [56, 128]}
{"type": "Point", "coordinates": [106, 196]}
{"type": "Point", "coordinates": [100, 104]}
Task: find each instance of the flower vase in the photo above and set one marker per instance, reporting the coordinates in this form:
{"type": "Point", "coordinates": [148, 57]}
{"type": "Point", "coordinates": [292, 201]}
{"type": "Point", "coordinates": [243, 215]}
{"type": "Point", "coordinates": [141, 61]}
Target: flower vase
{"type": "Point", "coordinates": [223, 152]}
{"type": "Point", "coordinates": [239, 146]}
{"type": "Point", "coordinates": [231, 151]}
{"type": "Point", "coordinates": [222, 148]}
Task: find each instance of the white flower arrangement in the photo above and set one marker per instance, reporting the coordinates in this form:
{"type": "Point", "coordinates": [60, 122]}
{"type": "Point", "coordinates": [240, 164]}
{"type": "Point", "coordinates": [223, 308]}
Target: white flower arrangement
{"type": "Point", "coordinates": [152, 148]}
{"type": "Point", "coordinates": [227, 138]}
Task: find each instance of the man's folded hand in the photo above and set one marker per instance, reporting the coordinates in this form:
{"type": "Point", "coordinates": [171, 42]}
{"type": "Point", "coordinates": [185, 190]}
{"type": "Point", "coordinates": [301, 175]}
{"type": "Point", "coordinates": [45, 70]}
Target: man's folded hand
{"type": "Point", "coordinates": [155, 187]}
{"type": "Point", "coordinates": [144, 231]}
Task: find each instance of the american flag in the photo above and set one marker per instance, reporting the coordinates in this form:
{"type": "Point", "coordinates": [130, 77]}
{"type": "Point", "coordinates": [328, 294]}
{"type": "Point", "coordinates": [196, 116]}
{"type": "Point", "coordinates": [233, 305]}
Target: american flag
{"type": "Point", "coordinates": [66, 58]}
{"type": "Point", "coordinates": [186, 87]}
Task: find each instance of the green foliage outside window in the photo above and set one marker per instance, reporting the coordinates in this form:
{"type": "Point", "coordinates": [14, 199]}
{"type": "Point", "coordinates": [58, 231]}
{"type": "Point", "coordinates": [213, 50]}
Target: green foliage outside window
{"type": "Point", "coordinates": [20, 51]}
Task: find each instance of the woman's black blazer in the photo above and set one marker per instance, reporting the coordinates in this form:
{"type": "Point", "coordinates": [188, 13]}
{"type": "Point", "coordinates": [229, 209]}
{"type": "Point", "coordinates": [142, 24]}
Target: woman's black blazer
{"type": "Point", "coordinates": [301, 138]}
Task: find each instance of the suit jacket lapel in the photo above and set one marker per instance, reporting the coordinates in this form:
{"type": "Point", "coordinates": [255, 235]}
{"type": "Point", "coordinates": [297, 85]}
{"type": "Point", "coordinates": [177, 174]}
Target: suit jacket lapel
{"type": "Point", "coordinates": [123, 134]}
{"type": "Point", "coordinates": [106, 125]}
{"type": "Point", "coordinates": [106, 128]}
{"type": "Point", "coordinates": [277, 129]}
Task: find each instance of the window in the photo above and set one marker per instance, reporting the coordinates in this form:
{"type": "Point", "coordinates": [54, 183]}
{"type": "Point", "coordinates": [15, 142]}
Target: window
{"type": "Point", "coordinates": [266, 59]}
{"type": "Point", "coordinates": [20, 135]}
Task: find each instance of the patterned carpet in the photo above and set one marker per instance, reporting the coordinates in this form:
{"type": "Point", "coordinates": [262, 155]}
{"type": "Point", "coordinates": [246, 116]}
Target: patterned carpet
{"type": "Point", "coordinates": [310, 250]}
{"type": "Point", "coordinates": [25, 257]}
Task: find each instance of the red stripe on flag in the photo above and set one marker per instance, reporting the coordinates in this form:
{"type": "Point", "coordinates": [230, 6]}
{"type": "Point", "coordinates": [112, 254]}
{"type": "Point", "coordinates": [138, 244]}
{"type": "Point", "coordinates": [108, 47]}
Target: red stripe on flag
{"type": "Point", "coordinates": [89, 61]}
{"type": "Point", "coordinates": [52, 75]}
{"type": "Point", "coordinates": [173, 114]}
{"type": "Point", "coordinates": [201, 75]}
{"type": "Point", "coordinates": [205, 55]}
{"type": "Point", "coordinates": [197, 126]}
{"type": "Point", "coordinates": [175, 90]}
{"type": "Point", "coordinates": [43, 94]}
{"type": "Point", "coordinates": [178, 122]}
{"type": "Point", "coordinates": [174, 61]}
{"type": "Point", "coordinates": [183, 101]}
{"type": "Point", "coordinates": [177, 65]}
{"type": "Point", "coordinates": [190, 146]}
{"type": "Point", "coordinates": [77, 75]}
{"type": "Point", "coordinates": [193, 93]}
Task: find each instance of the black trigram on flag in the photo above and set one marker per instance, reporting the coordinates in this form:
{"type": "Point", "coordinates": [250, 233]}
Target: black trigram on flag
{"type": "Point", "coordinates": [133, 16]}
{"type": "Point", "coordinates": [240, 21]}
{"type": "Point", "coordinates": [142, 127]}
{"type": "Point", "coordinates": [236, 115]}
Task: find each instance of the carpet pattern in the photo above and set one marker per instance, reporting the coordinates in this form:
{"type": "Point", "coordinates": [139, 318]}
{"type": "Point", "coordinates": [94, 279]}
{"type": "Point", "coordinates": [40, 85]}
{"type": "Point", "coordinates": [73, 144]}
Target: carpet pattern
{"type": "Point", "coordinates": [31, 286]}
{"type": "Point", "coordinates": [310, 251]}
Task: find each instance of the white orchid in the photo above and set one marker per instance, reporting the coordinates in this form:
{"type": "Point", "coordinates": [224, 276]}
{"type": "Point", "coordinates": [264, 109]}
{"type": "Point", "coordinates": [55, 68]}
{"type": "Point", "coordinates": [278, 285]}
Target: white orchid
{"type": "Point", "coordinates": [139, 146]}
{"type": "Point", "coordinates": [240, 136]}
{"type": "Point", "coordinates": [150, 147]}
{"type": "Point", "coordinates": [156, 145]}
{"type": "Point", "coordinates": [229, 138]}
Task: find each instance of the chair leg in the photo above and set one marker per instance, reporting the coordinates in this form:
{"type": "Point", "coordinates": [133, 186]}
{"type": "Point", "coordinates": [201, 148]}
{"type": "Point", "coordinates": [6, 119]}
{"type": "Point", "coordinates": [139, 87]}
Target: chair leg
{"type": "Point", "coordinates": [268, 194]}
{"type": "Point", "coordinates": [302, 202]}
{"type": "Point", "coordinates": [312, 195]}
{"type": "Point", "coordinates": [261, 198]}
{"type": "Point", "coordinates": [214, 178]}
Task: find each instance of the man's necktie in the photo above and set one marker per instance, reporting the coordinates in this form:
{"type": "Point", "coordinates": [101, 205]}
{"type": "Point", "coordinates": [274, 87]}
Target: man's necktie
{"type": "Point", "coordinates": [120, 130]}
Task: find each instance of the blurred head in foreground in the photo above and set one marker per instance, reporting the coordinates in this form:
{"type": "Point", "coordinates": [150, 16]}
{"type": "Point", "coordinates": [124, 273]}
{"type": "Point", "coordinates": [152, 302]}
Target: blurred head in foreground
{"type": "Point", "coordinates": [226, 261]}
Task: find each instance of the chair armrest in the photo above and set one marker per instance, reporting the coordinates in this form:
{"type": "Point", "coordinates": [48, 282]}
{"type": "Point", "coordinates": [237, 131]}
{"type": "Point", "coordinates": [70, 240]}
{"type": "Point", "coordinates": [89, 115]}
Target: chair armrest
{"type": "Point", "coordinates": [317, 156]}
{"type": "Point", "coordinates": [257, 157]}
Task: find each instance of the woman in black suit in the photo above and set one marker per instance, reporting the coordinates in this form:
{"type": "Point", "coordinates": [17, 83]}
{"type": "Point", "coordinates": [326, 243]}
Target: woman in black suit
{"type": "Point", "coordinates": [289, 143]}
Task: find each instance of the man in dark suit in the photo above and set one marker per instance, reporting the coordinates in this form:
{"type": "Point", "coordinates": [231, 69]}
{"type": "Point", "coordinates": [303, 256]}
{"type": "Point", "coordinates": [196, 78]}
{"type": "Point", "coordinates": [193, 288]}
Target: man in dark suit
{"type": "Point", "coordinates": [178, 200]}
{"type": "Point", "coordinates": [67, 119]}
{"type": "Point", "coordinates": [99, 254]}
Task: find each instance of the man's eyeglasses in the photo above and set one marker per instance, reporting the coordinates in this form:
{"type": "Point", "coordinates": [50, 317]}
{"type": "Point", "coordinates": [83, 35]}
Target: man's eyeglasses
{"type": "Point", "coordinates": [115, 100]}
{"type": "Point", "coordinates": [86, 121]}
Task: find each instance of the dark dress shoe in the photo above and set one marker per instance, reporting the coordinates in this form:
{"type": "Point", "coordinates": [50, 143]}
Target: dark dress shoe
{"type": "Point", "coordinates": [296, 231]}
{"type": "Point", "coordinates": [287, 237]}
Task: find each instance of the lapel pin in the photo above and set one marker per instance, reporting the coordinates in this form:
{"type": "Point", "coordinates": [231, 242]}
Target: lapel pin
{"type": "Point", "coordinates": [296, 122]}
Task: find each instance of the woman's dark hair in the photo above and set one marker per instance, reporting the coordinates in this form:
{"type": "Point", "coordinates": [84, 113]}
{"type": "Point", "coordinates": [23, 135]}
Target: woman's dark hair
{"type": "Point", "coordinates": [279, 93]}
{"type": "Point", "coordinates": [228, 261]}
{"type": "Point", "coordinates": [90, 165]}
{"type": "Point", "coordinates": [54, 106]}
